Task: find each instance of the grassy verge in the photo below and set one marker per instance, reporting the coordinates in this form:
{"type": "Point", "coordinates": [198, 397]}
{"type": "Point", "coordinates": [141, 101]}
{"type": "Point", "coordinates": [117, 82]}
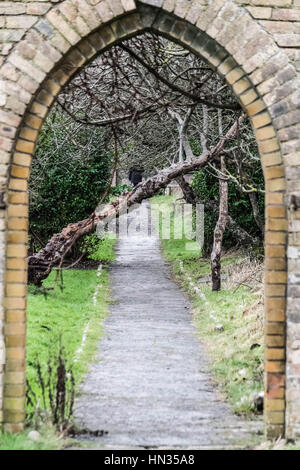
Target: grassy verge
{"type": "Point", "coordinates": [62, 316]}
{"type": "Point", "coordinates": [174, 248]}
{"type": "Point", "coordinates": [48, 441]}
{"type": "Point", "coordinates": [229, 321]}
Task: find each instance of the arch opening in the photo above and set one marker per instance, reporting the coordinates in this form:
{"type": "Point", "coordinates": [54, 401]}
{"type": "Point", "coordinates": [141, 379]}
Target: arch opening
{"type": "Point", "coordinates": [155, 20]}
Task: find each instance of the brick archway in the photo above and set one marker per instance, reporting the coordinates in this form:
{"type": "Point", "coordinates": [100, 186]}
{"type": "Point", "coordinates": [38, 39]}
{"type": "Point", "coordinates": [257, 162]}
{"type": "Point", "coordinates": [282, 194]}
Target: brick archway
{"type": "Point", "coordinates": [63, 41]}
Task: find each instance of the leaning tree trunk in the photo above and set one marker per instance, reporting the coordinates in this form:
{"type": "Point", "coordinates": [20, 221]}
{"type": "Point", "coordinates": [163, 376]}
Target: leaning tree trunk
{"type": "Point", "coordinates": [53, 254]}
{"type": "Point", "coordinates": [219, 231]}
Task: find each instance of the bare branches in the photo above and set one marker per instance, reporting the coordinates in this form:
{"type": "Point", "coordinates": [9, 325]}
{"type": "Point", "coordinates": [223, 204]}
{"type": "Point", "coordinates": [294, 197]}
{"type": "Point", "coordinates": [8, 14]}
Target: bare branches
{"type": "Point", "coordinates": [138, 77]}
{"type": "Point", "coordinates": [147, 102]}
{"type": "Point", "coordinates": [53, 254]}
{"type": "Point", "coordinates": [187, 93]}
{"type": "Point", "coordinates": [227, 176]}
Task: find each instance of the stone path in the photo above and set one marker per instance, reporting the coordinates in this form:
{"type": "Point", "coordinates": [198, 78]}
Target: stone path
{"type": "Point", "coordinates": [150, 386]}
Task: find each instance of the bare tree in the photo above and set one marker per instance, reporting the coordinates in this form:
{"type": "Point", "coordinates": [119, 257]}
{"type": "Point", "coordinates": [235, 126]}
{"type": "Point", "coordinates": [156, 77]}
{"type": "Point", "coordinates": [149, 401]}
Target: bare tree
{"type": "Point", "coordinates": [161, 107]}
{"type": "Point", "coordinates": [53, 254]}
{"type": "Point", "coordinates": [215, 257]}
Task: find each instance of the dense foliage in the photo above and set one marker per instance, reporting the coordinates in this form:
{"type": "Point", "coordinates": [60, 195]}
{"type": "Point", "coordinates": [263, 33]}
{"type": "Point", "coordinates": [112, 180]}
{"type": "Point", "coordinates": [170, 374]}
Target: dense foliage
{"type": "Point", "coordinates": [239, 206]}
{"type": "Point", "coordinates": [69, 174]}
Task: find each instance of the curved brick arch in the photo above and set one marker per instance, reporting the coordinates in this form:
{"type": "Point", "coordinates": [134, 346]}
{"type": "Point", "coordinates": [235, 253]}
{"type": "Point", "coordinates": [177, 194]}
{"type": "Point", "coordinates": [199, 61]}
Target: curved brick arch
{"type": "Point", "coordinates": [64, 40]}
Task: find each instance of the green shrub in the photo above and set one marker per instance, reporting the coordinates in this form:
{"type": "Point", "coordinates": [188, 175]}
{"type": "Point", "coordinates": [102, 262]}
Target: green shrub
{"type": "Point", "coordinates": [239, 206]}
{"type": "Point", "coordinates": [66, 181]}
{"type": "Point", "coordinates": [119, 189]}
{"type": "Point", "coordinates": [99, 249]}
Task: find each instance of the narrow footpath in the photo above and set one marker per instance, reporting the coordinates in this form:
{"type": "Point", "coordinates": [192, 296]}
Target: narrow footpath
{"type": "Point", "coordinates": [150, 386]}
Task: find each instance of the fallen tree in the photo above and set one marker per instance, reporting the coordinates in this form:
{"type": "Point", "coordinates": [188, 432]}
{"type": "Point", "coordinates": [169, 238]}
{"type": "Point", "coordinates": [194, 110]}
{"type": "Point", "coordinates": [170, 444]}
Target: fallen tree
{"type": "Point", "coordinates": [52, 255]}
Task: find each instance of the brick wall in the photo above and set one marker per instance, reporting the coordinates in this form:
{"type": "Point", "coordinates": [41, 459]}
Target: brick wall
{"type": "Point", "coordinates": [262, 38]}
{"type": "Point", "coordinates": [281, 19]}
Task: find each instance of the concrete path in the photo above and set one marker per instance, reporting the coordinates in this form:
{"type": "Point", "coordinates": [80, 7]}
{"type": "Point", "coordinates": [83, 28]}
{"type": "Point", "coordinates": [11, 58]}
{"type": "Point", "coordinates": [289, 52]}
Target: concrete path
{"type": "Point", "coordinates": [150, 385]}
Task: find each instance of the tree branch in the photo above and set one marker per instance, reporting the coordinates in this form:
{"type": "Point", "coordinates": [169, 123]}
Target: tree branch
{"type": "Point", "coordinates": [41, 263]}
{"type": "Point", "coordinates": [174, 87]}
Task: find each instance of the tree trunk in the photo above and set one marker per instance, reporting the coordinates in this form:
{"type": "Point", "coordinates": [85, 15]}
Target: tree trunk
{"type": "Point", "coordinates": [241, 236]}
{"type": "Point", "coordinates": [53, 254]}
{"type": "Point", "coordinates": [219, 231]}
{"type": "Point", "coordinates": [256, 214]}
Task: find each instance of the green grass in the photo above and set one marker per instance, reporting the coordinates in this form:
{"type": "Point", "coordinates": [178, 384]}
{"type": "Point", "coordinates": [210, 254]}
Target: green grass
{"type": "Point", "coordinates": [100, 249]}
{"type": "Point", "coordinates": [236, 367]}
{"type": "Point", "coordinates": [60, 316]}
{"type": "Point", "coordinates": [48, 441]}
{"type": "Point", "coordinates": [174, 248]}
{"type": "Point", "coordinates": [63, 315]}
